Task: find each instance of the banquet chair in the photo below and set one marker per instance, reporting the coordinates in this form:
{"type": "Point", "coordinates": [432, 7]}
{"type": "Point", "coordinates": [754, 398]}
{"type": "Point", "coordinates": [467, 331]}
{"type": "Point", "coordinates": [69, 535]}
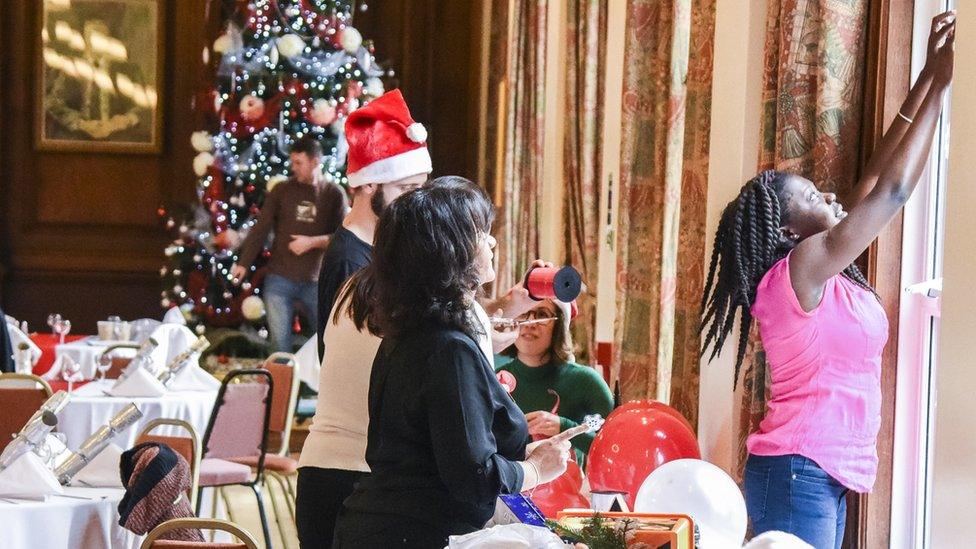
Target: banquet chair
{"type": "Point", "coordinates": [278, 465]}
{"type": "Point", "coordinates": [238, 431]}
{"type": "Point", "coordinates": [118, 362]}
{"type": "Point", "coordinates": [152, 541]}
{"type": "Point", "coordinates": [186, 446]}
{"type": "Point", "coordinates": [19, 402]}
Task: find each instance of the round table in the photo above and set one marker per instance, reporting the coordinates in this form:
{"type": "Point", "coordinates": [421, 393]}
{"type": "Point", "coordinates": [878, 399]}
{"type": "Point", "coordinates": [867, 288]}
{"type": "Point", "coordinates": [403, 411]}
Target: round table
{"type": "Point", "coordinates": [90, 408]}
{"type": "Point", "coordinates": [85, 350]}
{"type": "Point", "coordinates": [82, 517]}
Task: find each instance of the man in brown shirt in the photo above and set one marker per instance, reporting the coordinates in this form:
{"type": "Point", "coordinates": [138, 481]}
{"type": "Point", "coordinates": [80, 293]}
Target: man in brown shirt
{"type": "Point", "coordinates": [303, 212]}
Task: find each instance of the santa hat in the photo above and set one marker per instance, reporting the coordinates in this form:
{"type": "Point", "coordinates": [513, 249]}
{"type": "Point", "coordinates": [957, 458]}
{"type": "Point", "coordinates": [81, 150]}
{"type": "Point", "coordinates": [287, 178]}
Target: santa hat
{"type": "Point", "coordinates": [385, 144]}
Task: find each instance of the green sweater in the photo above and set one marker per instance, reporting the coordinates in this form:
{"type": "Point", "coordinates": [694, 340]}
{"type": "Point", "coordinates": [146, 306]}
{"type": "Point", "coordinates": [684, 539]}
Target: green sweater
{"type": "Point", "coordinates": [581, 392]}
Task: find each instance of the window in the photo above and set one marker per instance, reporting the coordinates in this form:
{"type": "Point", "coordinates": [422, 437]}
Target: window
{"type": "Point", "coordinates": [922, 249]}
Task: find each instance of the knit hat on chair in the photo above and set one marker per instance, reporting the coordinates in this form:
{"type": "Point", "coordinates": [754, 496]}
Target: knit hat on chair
{"type": "Point", "coordinates": [156, 480]}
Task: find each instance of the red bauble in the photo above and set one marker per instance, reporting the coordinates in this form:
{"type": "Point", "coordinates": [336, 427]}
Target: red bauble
{"type": "Point", "coordinates": [636, 439]}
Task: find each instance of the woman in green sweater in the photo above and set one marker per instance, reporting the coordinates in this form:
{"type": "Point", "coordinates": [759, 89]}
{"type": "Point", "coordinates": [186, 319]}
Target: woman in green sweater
{"type": "Point", "coordinates": [554, 392]}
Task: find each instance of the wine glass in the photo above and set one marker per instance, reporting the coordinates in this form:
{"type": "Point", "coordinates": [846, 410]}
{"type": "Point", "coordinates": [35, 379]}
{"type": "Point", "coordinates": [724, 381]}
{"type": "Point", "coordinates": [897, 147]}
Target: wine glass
{"type": "Point", "coordinates": [54, 444]}
{"type": "Point", "coordinates": [52, 319]}
{"type": "Point", "coordinates": [116, 327]}
{"type": "Point", "coordinates": [62, 327]}
{"type": "Point", "coordinates": [70, 371]}
{"type": "Point", "coordinates": [103, 365]}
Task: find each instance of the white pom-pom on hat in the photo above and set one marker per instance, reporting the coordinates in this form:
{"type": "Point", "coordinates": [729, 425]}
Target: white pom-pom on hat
{"type": "Point", "coordinates": [417, 133]}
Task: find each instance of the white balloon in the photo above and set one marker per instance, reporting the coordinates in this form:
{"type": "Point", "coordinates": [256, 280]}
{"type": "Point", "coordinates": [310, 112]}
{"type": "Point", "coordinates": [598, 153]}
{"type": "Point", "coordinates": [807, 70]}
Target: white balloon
{"type": "Point", "coordinates": [777, 540]}
{"type": "Point", "coordinates": [702, 491]}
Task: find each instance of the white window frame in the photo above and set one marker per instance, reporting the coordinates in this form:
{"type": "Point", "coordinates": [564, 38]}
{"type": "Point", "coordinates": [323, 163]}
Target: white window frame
{"type": "Point", "coordinates": [922, 248]}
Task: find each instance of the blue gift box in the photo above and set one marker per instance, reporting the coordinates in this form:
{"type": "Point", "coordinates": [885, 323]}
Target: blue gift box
{"type": "Point", "coordinates": [521, 509]}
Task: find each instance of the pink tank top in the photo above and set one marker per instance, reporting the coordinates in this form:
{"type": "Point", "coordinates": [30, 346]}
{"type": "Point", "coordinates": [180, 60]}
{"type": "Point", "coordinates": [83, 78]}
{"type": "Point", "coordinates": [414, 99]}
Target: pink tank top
{"type": "Point", "coordinates": [825, 367]}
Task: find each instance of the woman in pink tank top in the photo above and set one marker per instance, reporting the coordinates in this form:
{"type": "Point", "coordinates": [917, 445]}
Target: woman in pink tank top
{"type": "Point", "coordinates": [784, 255]}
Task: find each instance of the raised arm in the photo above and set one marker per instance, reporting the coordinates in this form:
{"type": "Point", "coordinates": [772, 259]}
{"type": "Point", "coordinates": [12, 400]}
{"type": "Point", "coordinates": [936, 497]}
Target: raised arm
{"type": "Point", "coordinates": [909, 110]}
{"type": "Point", "coordinates": [824, 255]}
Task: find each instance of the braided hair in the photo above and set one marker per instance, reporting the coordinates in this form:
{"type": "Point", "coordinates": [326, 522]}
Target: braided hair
{"type": "Point", "coordinates": [748, 243]}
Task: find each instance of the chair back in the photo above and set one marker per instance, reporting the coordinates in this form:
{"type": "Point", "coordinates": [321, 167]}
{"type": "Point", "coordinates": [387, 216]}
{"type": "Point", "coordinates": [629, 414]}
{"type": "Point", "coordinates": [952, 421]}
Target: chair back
{"type": "Point", "coordinates": [19, 402]}
{"type": "Point", "coordinates": [238, 426]}
{"type": "Point", "coordinates": [118, 362]}
{"type": "Point", "coordinates": [284, 398]}
{"type": "Point", "coordinates": [246, 540]}
{"type": "Point", "coordinates": [188, 447]}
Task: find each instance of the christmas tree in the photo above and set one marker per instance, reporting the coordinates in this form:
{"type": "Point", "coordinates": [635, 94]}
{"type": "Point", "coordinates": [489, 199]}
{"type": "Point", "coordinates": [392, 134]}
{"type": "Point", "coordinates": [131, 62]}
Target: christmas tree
{"type": "Point", "coordinates": [281, 69]}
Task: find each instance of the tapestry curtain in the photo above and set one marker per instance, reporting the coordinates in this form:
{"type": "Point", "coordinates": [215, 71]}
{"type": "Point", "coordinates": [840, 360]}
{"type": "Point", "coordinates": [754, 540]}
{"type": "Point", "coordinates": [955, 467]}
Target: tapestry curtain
{"type": "Point", "coordinates": [586, 32]}
{"type": "Point", "coordinates": [663, 184]}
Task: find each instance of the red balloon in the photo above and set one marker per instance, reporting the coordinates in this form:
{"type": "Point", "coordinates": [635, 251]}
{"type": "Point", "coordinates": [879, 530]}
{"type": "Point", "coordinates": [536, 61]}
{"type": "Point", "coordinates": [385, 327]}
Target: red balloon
{"type": "Point", "coordinates": [657, 405]}
{"type": "Point", "coordinates": [637, 438]}
{"type": "Point", "coordinates": [561, 493]}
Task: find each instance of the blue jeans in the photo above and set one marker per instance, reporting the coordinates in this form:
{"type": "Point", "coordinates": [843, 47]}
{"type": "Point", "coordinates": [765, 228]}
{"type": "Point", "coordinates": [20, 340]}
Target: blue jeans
{"type": "Point", "coordinates": [793, 494]}
{"type": "Point", "coordinates": [280, 295]}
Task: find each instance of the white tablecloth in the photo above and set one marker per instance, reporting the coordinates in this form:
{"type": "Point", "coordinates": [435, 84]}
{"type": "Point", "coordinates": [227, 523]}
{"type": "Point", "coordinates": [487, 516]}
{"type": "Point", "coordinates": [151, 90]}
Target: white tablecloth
{"type": "Point", "coordinates": [66, 522]}
{"type": "Point", "coordinates": [90, 408]}
{"type": "Point", "coordinates": [85, 352]}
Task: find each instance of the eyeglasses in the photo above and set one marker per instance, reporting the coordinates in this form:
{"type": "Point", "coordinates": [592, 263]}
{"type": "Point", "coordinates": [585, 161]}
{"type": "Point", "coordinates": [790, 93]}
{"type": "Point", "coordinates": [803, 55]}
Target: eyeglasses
{"type": "Point", "coordinates": [541, 315]}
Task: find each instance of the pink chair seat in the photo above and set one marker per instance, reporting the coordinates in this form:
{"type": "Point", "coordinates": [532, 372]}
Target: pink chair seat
{"type": "Point", "coordinates": [220, 472]}
{"type": "Point", "coordinates": [279, 464]}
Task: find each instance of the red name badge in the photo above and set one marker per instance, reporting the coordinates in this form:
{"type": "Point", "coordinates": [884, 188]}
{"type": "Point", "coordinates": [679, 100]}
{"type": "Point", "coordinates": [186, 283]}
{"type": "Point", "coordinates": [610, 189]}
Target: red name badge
{"type": "Point", "coordinates": [507, 380]}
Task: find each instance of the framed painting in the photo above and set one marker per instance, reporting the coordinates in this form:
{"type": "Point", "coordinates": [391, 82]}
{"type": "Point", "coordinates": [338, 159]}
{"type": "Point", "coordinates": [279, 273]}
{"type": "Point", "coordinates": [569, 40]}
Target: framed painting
{"type": "Point", "coordinates": [99, 74]}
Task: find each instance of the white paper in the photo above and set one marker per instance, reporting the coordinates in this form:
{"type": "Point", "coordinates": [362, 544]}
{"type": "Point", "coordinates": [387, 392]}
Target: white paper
{"type": "Point", "coordinates": [28, 478]}
{"type": "Point", "coordinates": [510, 536]}
{"type": "Point", "coordinates": [174, 316]}
{"type": "Point", "coordinates": [193, 378]}
{"type": "Point", "coordinates": [140, 383]}
{"type": "Point", "coordinates": [103, 471]}
{"type": "Point", "coordinates": [17, 337]}
{"type": "Point", "coordinates": [309, 365]}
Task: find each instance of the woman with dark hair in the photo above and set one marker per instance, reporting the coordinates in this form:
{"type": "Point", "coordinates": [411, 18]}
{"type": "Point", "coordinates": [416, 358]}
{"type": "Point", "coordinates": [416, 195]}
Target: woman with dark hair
{"type": "Point", "coordinates": [784, 255]}
{"type": "Point", "coordinates": [553, 390]}
{"type": "Point", "coordinates": [333, 456]}
{"type": "Point", "coordinates": [444, 439]}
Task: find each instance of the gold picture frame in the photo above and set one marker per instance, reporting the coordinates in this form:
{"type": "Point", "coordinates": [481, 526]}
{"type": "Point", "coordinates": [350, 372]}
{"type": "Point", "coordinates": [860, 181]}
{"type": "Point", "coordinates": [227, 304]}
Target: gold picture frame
{"type": "Point", "coordinates": [99, 76]}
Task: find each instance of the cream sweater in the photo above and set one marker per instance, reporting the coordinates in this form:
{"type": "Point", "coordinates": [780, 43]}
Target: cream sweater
{"type": "Point", "coordinates": [337, 437]}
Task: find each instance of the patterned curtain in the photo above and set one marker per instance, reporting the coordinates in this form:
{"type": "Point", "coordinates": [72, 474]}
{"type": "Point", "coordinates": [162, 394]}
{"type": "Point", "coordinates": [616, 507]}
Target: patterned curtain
{"type": "Point", "coordinates": [586, 33]}
{"type": "Point", "coordinates": [813, 87]}
{"type": "Point", "coordinates": [667, 107]}
{"type": "Point", "coordinates": [518, 197]}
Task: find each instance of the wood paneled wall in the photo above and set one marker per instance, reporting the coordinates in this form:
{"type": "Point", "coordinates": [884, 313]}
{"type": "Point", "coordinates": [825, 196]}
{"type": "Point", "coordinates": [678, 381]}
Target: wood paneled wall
{"type": "Point", "coordinates": [80, 234]}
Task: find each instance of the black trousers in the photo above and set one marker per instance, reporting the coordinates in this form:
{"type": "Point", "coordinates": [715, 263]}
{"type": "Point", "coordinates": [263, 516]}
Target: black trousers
{"type": "Point", "coordinates": [318, 501]}
{"type": "Point", "coordinates": [358, 530]}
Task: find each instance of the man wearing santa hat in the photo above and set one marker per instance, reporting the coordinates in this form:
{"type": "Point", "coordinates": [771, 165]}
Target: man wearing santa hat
{"type": "Point", "coordinates": [387, 157]}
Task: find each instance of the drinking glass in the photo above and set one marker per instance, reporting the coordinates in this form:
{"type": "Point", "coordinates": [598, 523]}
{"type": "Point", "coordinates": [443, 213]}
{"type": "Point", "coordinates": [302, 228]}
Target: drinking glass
{"type": "Point", "coordinates": [70, 371]}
